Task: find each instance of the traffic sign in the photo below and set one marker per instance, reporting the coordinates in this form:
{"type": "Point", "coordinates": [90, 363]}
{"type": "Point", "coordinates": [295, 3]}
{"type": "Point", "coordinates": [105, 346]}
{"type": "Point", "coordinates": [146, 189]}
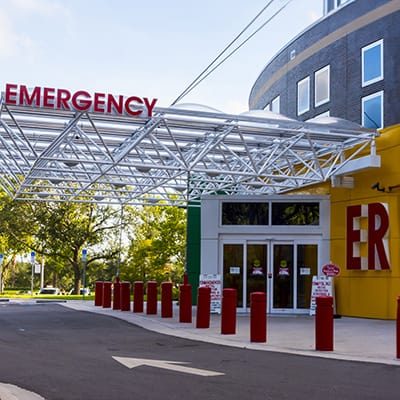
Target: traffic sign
{"type": "Point", "coordinates": [84, 254]}
{"type": "Point", "coordinates": [1, 258]}
{"type": "Point", "coordinates": [38, 268]}
{"type": "Point", "coordinates": [32, 257]}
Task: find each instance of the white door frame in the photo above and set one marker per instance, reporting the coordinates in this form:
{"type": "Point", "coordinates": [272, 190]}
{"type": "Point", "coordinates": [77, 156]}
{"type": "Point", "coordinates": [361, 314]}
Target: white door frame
{"type": "Point", "coordinates": [270, 243]}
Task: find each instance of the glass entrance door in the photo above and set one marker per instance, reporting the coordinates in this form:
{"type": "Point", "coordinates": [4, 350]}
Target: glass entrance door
{"type": "Point", "coordinates": [283, 270]}
{"type": "Point", "coordinates": [257, 269]}
{"type": "Point", "coordinates": [283, 276]}
{"type": "Point", "coordinates": [233, 269]}
{"type": "Point", "coordinates": [294, 265]}
{"type": "Point", "coordinates": [307, 267]}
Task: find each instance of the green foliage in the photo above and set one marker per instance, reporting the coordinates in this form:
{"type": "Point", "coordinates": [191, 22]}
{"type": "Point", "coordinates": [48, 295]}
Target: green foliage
{"type": "Point", "coordinates": [157, 249]}
{"type": "Point", "coordinates": [58, 231]}
{"type": "Point", "coordinates": [71, 227]}
{"type": "Point", "coordinates": [24, 294]}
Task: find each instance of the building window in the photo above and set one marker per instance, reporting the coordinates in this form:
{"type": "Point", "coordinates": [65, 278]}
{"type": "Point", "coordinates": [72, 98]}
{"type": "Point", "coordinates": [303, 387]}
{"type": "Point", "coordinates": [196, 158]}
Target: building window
{"type": "Point", "coordinates": [244, 213]}
{"type": "Point", "coordinates": [276, 105]}
{"type": "Point", "coordinates": [322, 83]}
{"type": "Point", "coordinates": [303, 96]}
{"type": "Point", "coordinates": [330, 5]}
{"type": "Point", "coordinates": [372, 111]}
{"type": "Point", "coordinates": [372, 63]}
{"type": "Point", "coordinates": [295, 213]}
{"type": "Point", "coordinates": [324, 114]}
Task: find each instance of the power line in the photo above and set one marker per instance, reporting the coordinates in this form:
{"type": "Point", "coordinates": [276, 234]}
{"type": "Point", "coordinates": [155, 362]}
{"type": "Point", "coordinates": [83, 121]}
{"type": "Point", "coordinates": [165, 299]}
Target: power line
{"type": "Point", "coordinates": [231, 53]}
{"type": "Point", "coordinates": [200, 77]}
{"type": "Point", "coordinates": [222, 52]}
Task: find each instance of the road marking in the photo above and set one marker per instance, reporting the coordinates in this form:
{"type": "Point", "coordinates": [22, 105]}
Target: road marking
{"type": "Point", "coordinates": [171, 365]}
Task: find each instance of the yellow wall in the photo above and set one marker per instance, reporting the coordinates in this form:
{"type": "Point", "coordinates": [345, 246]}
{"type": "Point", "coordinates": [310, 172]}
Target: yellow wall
{"type": "Point", "coordinates": [369, 294]}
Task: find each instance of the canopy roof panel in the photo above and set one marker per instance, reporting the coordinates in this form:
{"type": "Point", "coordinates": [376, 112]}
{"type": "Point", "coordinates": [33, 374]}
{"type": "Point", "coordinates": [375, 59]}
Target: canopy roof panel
{"type": "Point", "coordinates": [173, 157]}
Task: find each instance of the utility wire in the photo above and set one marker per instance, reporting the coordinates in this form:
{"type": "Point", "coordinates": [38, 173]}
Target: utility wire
{"type": "Point", "coordinates": [193, 84]}
{"type": "Point", "coordinates": [232, 52]}
{"type": "Point", "coordinates": [372, 120]}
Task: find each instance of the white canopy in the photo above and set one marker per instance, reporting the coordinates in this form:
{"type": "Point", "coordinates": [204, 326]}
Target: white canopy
{"type": "Point", "coordinates": [174, 157]}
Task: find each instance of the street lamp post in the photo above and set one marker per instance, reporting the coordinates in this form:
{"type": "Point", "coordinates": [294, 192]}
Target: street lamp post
{"type": "Point", "coordinates": [120, 240]}
{"type": "Point", "coordinates": [1, 272]}
{"type": "Point", "coordinates": [32, 270]}
{"type": "Point", "coordinates": [84, 261]}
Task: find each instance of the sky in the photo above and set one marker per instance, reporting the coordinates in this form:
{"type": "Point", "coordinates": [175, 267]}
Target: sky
{"type": "Point", "coordinates": [144, 48]}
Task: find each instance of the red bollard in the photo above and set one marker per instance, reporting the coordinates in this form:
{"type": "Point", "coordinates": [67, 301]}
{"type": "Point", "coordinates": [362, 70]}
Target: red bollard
{"type": "Point", "coordinates": [166, 300]}
{"type": "Point", "coordinates": [107, 294]}
{"type": "Point", "coordinates": [324, 324]}
{"type": "Point", "coordinates": [117, 295]}
{"type": "Point", "coordinates": [398, 329]}
{"type": "Point", "coordinates": [203, 307]}
{"type": "Point", "coordinates": [138, 296]}
{"type": "Point", "coordinates": [258, 317]}
{"type": "Point", "coordinates": [125, 296]}
{"type": "Point", "coordinates": [151, 306]}
{"type": "Point", "coordinates": [228, 312]}
{"type": "Point", "coordinates": [98, 294]}
{"type": "Point", "coordinates": [185, 303]}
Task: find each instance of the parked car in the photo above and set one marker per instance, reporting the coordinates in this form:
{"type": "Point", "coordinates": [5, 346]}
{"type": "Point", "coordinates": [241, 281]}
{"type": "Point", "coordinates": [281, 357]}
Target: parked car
{"type": "Point", "coordinates": [82, 291]}
{"type": "Point", "coordinates": [50, 290]}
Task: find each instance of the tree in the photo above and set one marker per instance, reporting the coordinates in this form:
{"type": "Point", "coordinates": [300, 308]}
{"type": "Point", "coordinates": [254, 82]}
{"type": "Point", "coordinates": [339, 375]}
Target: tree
{"type": "Point", "coordinates": [59, 231]}
{"type": "Point", "coordinates": [67, 228]}
{"type": "Point", "coordinates": [157, 249]}
{"type": "Point", "coordinates": [15, 236]}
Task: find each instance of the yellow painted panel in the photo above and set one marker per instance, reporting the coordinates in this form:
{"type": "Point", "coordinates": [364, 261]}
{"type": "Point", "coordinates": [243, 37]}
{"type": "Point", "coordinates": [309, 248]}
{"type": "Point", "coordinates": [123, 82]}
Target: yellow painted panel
{"type": "Point", "coordinates": [366, 297]}
{"type": "Point", "coordinates": [370, 294]}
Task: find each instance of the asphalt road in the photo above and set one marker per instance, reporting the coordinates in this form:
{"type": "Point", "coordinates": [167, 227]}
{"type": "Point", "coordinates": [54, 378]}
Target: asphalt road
{"type": "Point", "coordinates": [64, 354]}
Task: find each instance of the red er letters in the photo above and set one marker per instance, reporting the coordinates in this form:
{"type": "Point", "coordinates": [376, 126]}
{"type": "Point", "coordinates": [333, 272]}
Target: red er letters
{"type": "Point", "coordinates": [375, 236]}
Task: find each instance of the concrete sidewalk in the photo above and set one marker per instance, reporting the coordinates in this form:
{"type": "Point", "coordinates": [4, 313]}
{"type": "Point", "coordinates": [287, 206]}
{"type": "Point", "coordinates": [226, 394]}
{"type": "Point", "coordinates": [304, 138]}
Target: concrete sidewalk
{"type": "Point", "coordinates": [366, 340]}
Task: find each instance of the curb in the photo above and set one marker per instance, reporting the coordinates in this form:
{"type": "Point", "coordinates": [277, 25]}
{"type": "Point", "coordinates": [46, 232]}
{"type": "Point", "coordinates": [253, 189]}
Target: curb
{"type": "Point", "coordinates": [12, 392]}
{"type": "Point", "coordinates": [166, 328]}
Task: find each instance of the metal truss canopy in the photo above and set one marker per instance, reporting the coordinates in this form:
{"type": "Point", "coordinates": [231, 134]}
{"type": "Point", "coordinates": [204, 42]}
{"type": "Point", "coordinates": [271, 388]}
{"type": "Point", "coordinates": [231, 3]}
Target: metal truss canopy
{"type": "Point", "coordinates": [174, 157]}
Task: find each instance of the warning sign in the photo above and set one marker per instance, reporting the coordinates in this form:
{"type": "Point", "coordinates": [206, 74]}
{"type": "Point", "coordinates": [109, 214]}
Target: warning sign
{"type": "Point", "coordinates": [321, 286]}
{"type": "Point", "coordinates": [213, 281]}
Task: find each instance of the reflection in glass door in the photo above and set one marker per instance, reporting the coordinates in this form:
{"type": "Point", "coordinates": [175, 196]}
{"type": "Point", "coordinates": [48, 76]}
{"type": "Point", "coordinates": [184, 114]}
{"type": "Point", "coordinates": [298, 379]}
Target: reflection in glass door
{"type": "Point", "coordinates": [257, 256]}
{"type": "Point", "coordinates": [307, 267]}
{"type": "Point", "coordinates": [233, 269]}
{"type": "Point", "coordinates": [283, 276]}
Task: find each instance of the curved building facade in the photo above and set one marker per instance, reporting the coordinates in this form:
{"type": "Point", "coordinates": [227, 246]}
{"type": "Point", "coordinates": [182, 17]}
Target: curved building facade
{"type": "Point", "coordinates": [344, 65]}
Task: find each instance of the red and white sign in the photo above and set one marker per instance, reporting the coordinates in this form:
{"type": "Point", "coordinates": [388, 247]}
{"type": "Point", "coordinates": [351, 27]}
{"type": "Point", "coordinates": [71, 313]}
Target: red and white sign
{"type": "Point", "coordinates": [81, 101]}
{"type": "Point", "coordinates": [214, 282]}
{"type": "Point", "coordinates": [321, 286]}
{"type": "Point", "coordinates": [331, 269]}
{"type": "Point", "coordinates": [376, 237]}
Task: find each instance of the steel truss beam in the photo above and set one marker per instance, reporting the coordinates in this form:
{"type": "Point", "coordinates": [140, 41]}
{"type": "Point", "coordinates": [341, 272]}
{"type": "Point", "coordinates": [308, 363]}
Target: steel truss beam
{"type": "Point", "coordinates": [173, 158]}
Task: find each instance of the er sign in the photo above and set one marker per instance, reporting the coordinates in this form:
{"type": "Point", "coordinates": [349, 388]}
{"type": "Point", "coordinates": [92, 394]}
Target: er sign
{"type": "Point", "coordinates": [367, 226]}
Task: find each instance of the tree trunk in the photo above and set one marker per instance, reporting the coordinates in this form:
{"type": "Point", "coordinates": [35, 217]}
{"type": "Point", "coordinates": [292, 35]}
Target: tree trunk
{"type": "Point", "coordinates": [77, 283]}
